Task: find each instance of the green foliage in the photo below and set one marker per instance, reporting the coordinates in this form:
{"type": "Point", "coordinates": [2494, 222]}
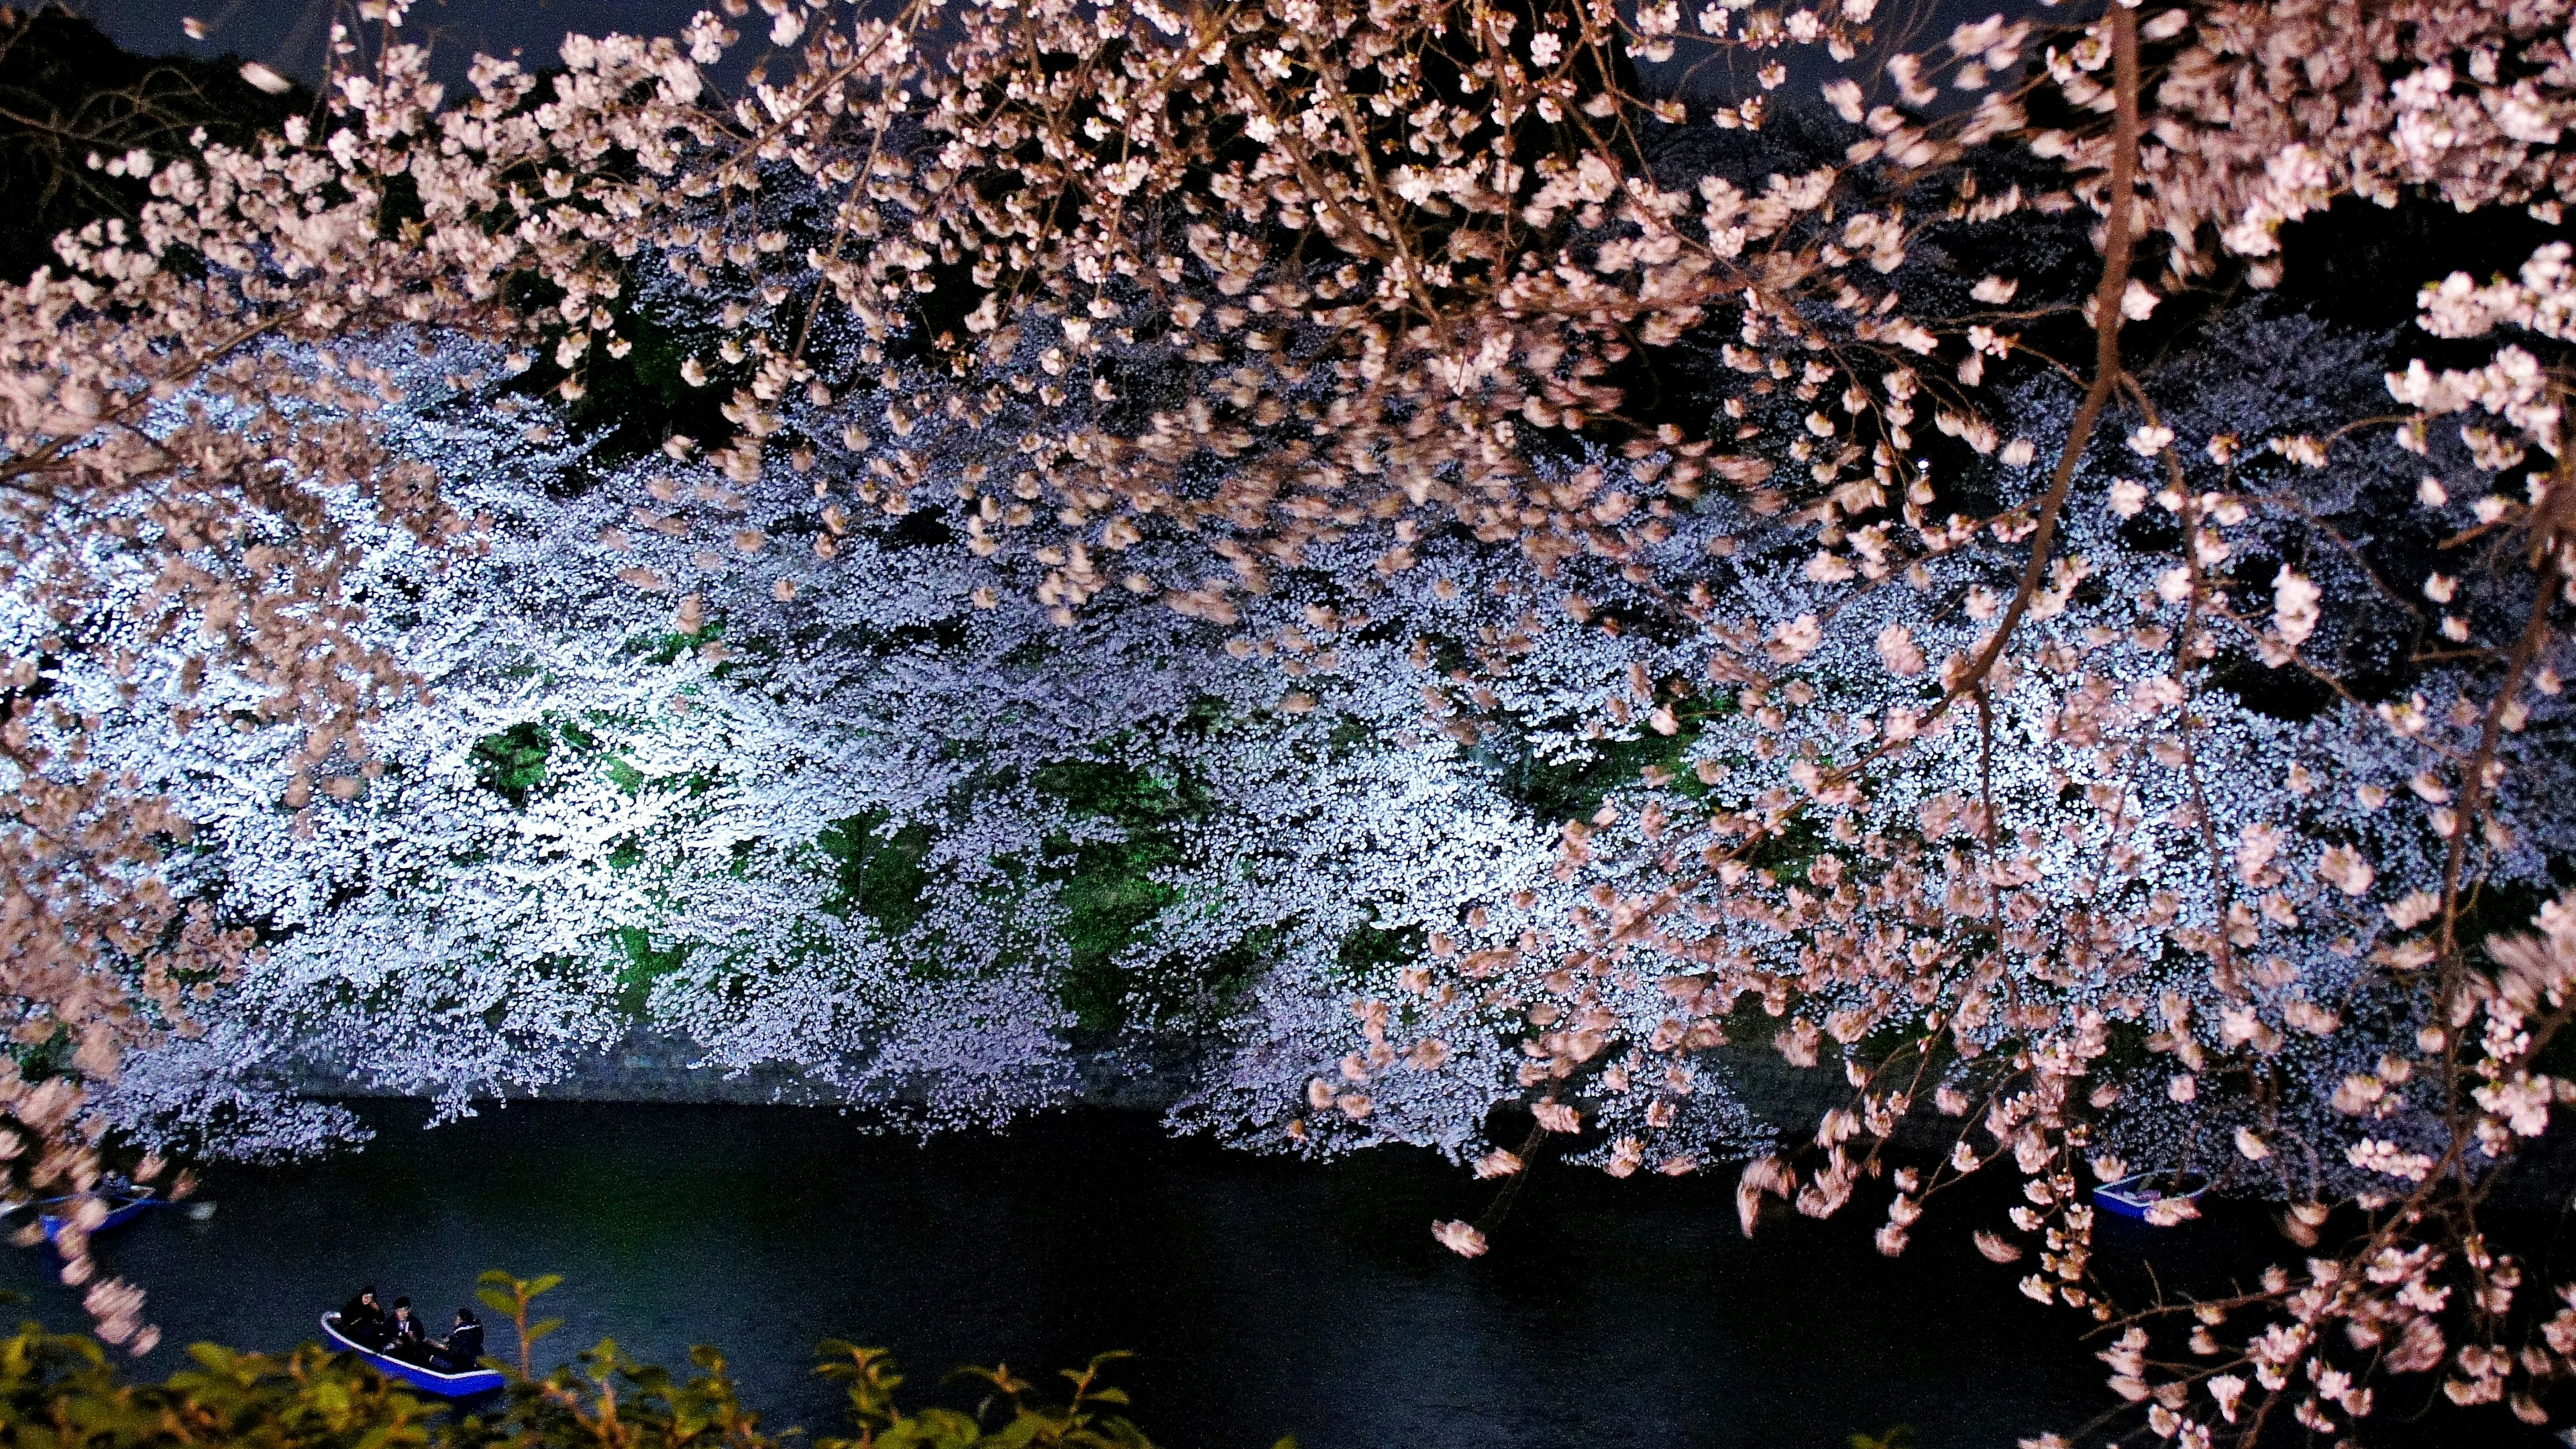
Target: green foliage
{"type": "Point", "coordinates": [1573, 789]}
{"type": "Point", "coordinates": [1789, 854]}
{"type": "Point", "coordinates": [1108, 898]}
{"type": "Point", "coordinates": [623, 774]}
{"type": "Point", "coordinates": [1369, 952]}
{"type": "Point", "coordinates": [880, 869]}
{"type": "Point", "coordinates": [48, 1056]}
{"type": "Point", "coordinates": [641, 398]}
{"type": "Point", "coordinates": [1224, 975]}
{"type": "Point", "coordinates": [512, 762]}
{"type": "Point", "coordinates": [1078, 1423]}
{"type": "Point", "coordinates": [1900, 1436]}
{"type": "Point", "coordinates": [515, 763]}
{"type": "Point", "coordinates": [667, 648]}
{"type": "Point", "coordinates": [510, 1295]}
{"type": "Point", "coordinates": [1110, 889]}
{"type": "Point", "coordinates": [606, 1400]}
{"type": "Point", "coordinates": [645, 964]}
{"type": "Point", "coordinates": [61, 1391]}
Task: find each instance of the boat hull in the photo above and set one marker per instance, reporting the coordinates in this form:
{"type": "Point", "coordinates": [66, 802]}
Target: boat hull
{"type": "Point", "coordinates": [55, 1214]}
{"type": "Point", "coordinates": [2136, 1195]}
{"type": "Point", "coordinates": [464, 1385]}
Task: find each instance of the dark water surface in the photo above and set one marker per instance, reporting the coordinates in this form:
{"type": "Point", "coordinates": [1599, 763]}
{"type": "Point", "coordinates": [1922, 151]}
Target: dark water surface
{"type": "Point", "coordinates": [1262, 1297]}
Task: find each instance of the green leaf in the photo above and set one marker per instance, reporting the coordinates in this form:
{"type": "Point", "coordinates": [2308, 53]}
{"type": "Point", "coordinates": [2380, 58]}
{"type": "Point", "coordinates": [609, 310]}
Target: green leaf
{"type": "Point", "coordinates": [542, 1327]}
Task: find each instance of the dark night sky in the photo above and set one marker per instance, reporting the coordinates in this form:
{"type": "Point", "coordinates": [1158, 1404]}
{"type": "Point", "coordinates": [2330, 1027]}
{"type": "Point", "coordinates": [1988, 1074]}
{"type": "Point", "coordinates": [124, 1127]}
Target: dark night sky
{"type": "Point", "coordinates": [289, 34]}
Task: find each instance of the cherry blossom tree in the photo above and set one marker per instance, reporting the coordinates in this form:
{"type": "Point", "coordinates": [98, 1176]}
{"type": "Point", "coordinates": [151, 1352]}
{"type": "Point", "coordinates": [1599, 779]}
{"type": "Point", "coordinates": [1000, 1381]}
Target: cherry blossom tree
{"type": "Point", "coordinates": [1524, 387]}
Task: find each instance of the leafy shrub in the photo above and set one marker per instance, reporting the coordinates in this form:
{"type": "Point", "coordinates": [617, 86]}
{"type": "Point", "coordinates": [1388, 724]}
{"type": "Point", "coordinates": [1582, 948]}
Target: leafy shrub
{"type": "Point", "coordinates": [62, 1391]}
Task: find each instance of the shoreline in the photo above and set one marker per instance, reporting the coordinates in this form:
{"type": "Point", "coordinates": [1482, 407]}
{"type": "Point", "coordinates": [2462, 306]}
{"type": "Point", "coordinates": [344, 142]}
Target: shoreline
{"type": "Point", "coordinates": [653, 1065]}
{"type": "Point", "coordinates": [1111, 1071]}
{"type": "Point", "coordinates": [1146, 1075]}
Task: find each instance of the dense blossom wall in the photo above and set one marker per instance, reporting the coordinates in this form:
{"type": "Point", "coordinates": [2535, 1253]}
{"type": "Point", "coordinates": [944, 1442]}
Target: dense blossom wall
{"type": "Point", "coordinates": [837, 829]}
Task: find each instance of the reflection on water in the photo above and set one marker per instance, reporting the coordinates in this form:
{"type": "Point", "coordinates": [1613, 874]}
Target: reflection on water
{"type": "Point", "coordinates": [1262, 1297]}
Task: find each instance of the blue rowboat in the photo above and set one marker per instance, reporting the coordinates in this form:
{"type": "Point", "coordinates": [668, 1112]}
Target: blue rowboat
{"type": "Point", "coordinates": [56, 1212]}
{"type": "Point", "coordinates": [428, 1380]}
{"type": "Point", "coordinates": [2132, 1196]}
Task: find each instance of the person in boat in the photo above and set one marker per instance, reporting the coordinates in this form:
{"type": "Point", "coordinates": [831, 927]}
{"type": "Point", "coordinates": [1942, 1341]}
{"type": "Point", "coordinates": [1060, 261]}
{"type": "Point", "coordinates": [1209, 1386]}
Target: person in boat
{"type": "Point", "coordinates": [409, 1336]}
{"type": "Point", "coordinates": [462, 1349]}
{"type": "Point", "coordinates": [362, 1321]}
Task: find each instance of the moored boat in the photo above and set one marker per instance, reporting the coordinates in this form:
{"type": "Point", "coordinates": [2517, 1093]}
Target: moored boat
{"type": "Point", "coordinates": [463, 1385]}
{"type": "Point", "coordinates": [122, 1208]}
{"type": "Point", "coordinates": [2141, 1194]}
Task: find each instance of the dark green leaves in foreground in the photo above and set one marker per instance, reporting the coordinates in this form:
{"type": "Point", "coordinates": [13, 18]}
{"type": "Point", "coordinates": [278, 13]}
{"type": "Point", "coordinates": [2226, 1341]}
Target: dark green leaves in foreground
{"type": "Point", "coordinates": [60, 1391]}
{"type": "Point", "coordinates": [868, 1374]}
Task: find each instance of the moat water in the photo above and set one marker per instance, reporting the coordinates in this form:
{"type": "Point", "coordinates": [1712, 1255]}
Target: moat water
{"type": "Point", "coordinates": [1262, 1297]}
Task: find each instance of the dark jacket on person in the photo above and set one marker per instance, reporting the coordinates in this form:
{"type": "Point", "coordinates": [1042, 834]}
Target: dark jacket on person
{"type": "Point", "coordinates": [464, 1348]}
{"type": "Point", "coordinates": [407, 1331]}
{"type": "Point", "coordinates": [364, 1323]}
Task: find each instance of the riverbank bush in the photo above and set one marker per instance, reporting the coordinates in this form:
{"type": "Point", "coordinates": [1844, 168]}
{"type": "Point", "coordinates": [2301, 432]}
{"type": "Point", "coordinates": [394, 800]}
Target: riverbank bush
{"type": "Point", "coordinates": [62, 1391]}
